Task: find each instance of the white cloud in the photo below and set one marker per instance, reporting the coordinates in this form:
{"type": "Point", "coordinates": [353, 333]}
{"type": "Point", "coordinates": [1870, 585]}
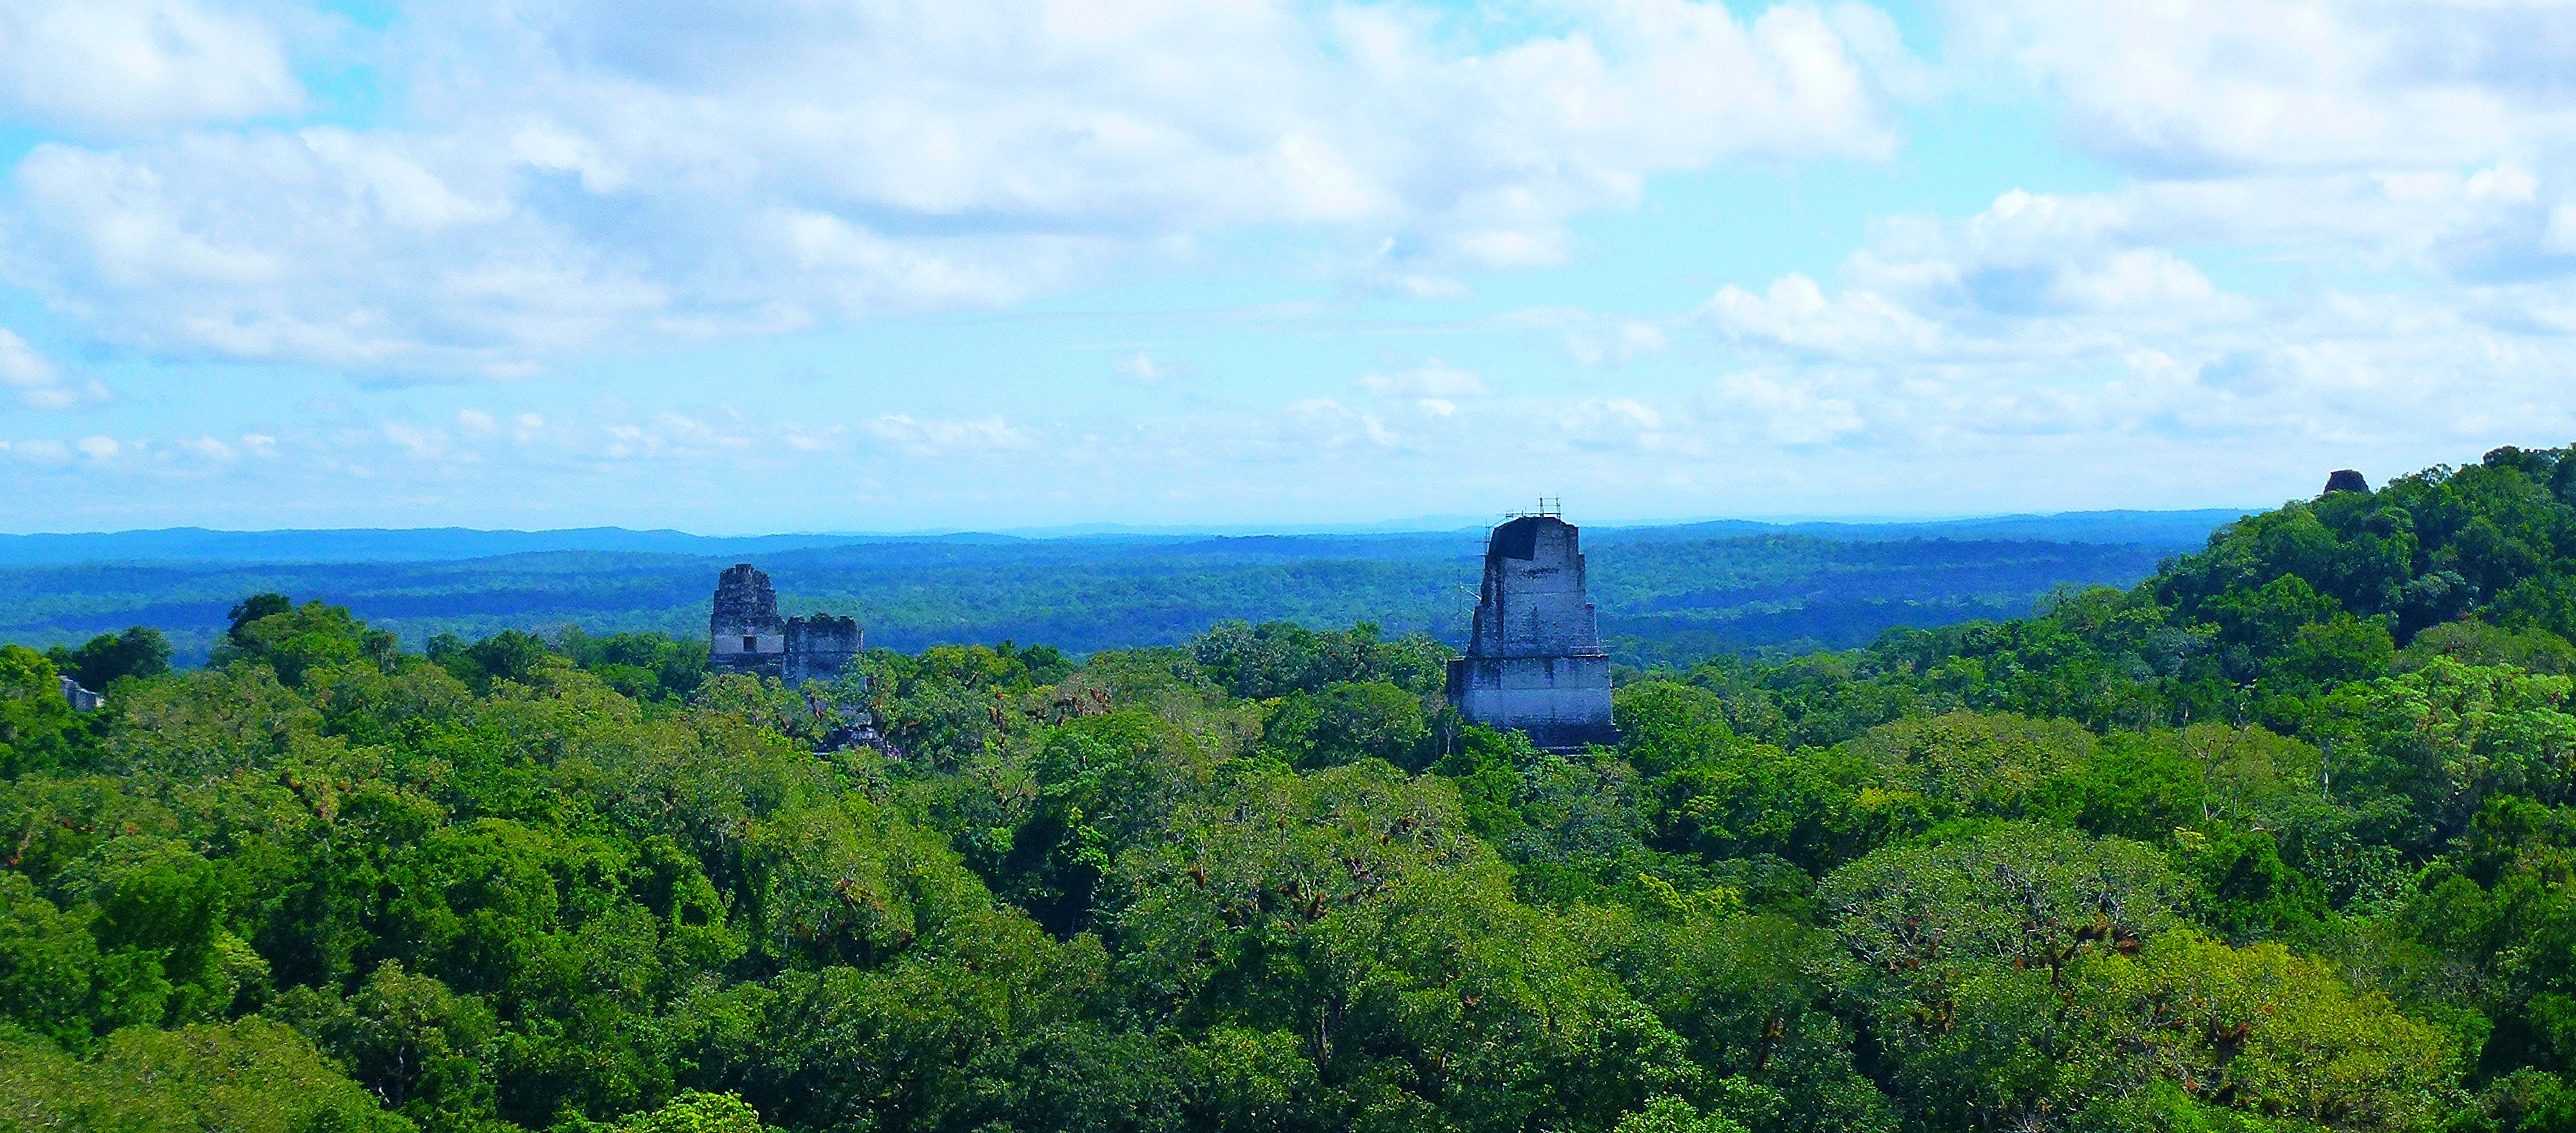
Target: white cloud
{"type": "Point", "coordinates": [805, 439]}
{"type": "Point", "coordinates": [1394, 269]}
{"type": "Point", "coordinates": [41, 452]}
{"type": "Point", "coordinates": [1430, 390]}
{"type": "Point", "coordinates": [2560, 235]}
{"type": "Point", "coordinates": [1597, 340]}
{"type": "Point", "coordinates": [932, 437]}
{"type": "Point", "coordinates": [369, 251]}
{"type": "Point", "coordinates": [38, 383]}
{"type": "Point", "coordinates": [1433, 430]}
{"type": "Point", "coordinates": [2076, 319]}
{"type": "Point", "coordinates": [1603, 425]}
{"type": "Point", "coordinates": [810, 165]}
{"type": "Point", "coordinates": [1784, 411]}
{"type": "Point", "coordinates": [1433, 378]}
{"type": "Point", "coordinates": [418, 443]}
{"type": "Point", "coordinates": [99, 448]}
{"type": "Point", "coordinates": [2428, 138]}
{"type": "Point", "coordinates": [1325, 424]}
{"type": "Point", "coordinates": [2333, 225]}
{"type": "Point", "coordinates": [1625, 340]}
{"type": "Point", "coordinates": [2200, 85]}
{"type": "Point", "coordinates": [210, 448]}
{"type": "Point", "coordinates": [1795, 313]}
{"type": "Point", "coordinates": [2504, 181]}
{"type": "Point", "coordinates": [2025, 255]}
{"type": "Point", "coordinates": [139, 63]}
{"type": "Point", "coordinates": [1148, 369]}
{"type": "Point", "coordinates": [2428, 135]}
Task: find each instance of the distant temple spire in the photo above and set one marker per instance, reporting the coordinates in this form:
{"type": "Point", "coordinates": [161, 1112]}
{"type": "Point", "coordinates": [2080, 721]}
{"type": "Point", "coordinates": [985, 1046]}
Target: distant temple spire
{"type": "Point", "coordinates": [1534, 660]}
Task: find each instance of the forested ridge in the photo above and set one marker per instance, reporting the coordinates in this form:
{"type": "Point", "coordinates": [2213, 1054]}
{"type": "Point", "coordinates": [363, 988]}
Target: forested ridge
{"type": "Point", "coordinates": [2279, 839]}
{"type": "Point", "coordinates": [1666, 593]}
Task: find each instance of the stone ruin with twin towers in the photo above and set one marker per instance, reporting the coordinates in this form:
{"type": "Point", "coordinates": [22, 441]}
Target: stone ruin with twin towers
{"type": "Point", "coordinates": [746, 635]}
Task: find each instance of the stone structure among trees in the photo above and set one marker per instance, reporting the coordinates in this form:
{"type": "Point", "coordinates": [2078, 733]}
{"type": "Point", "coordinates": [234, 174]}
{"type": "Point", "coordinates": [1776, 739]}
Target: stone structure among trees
{"type": "Point", "coordinates": [819, 646]}
{"type": "Point", "coordinates": [1534, 660]}
{"type": "Point", "coordinates": [746, 635]}
{"type": "Point", "coordinates": [81, 699]}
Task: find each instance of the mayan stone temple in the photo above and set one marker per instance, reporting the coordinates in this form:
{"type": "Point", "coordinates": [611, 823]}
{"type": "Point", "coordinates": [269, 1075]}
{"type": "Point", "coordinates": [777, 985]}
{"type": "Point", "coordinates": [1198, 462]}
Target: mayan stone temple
{"type": "Point", "coordinates": [746, 635]}
{"type": "Point", "coordinates": [1534, 660]}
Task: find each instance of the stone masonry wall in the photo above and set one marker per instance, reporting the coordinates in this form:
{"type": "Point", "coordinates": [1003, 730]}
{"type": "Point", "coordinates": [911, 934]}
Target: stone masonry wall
{"type": "Point", "coordinates": [819, 646]}
{"type": "Point", "coordinates": [1533, 602]}
{"type": "Point", "coordinates": [1534, 660]}
{"type": "Point", "coordinates": [744, 634]}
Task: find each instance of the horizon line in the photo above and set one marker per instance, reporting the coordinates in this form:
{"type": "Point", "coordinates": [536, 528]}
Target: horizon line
{"type": "Point", "coordinates": [1417, 525]}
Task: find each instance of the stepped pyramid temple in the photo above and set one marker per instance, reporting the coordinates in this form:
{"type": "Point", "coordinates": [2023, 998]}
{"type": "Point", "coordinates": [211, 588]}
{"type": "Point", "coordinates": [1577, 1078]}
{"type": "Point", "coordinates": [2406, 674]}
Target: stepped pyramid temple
{"type": "Point", "coordinates": [746, 635]}
{"type": "Point", "coordinates": [1534, 660]}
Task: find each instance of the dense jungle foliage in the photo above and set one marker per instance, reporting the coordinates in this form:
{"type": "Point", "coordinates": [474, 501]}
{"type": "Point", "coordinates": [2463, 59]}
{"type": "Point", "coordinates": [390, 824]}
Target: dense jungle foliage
{"type": "Point", "coordinates": [2283, 838]}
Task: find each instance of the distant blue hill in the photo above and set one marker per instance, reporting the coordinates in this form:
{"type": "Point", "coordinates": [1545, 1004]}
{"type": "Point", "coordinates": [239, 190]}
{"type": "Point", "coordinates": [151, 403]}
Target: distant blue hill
{"type": "Point", "coordinates": [2175, 529]}
{"type": "Point", "coordinates": [1665, 593]}
{"type": "Point", "coordinates": [2147, 528]}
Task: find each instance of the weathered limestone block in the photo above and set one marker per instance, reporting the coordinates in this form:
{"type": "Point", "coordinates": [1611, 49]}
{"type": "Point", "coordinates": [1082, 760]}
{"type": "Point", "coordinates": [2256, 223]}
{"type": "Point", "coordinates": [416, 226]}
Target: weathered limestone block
{"type": "Point", "coordinates": [1534, 660]}
{"type": "Point", "coordinates": [819, 646]}
{"type": "Point", "coordinates": [745, 635]}
{"type": "Point", "coordinates": [81, 699]}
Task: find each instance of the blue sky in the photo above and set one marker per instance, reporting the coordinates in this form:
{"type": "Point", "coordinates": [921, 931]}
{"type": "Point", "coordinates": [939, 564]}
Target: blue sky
{"type": "Point", "coordinates": [865, 265]}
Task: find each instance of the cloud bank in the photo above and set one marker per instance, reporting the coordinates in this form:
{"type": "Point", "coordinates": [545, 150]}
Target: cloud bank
{"type": "Point", "coordinates": [562, 173]}
{"type": "Point", "coordinates": [2303, 235]}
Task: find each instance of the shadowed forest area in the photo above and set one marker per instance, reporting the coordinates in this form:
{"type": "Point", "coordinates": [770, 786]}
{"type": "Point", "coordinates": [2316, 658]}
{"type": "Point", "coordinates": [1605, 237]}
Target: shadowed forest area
{"type": "Point", "coordinates": [2280, 838]}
